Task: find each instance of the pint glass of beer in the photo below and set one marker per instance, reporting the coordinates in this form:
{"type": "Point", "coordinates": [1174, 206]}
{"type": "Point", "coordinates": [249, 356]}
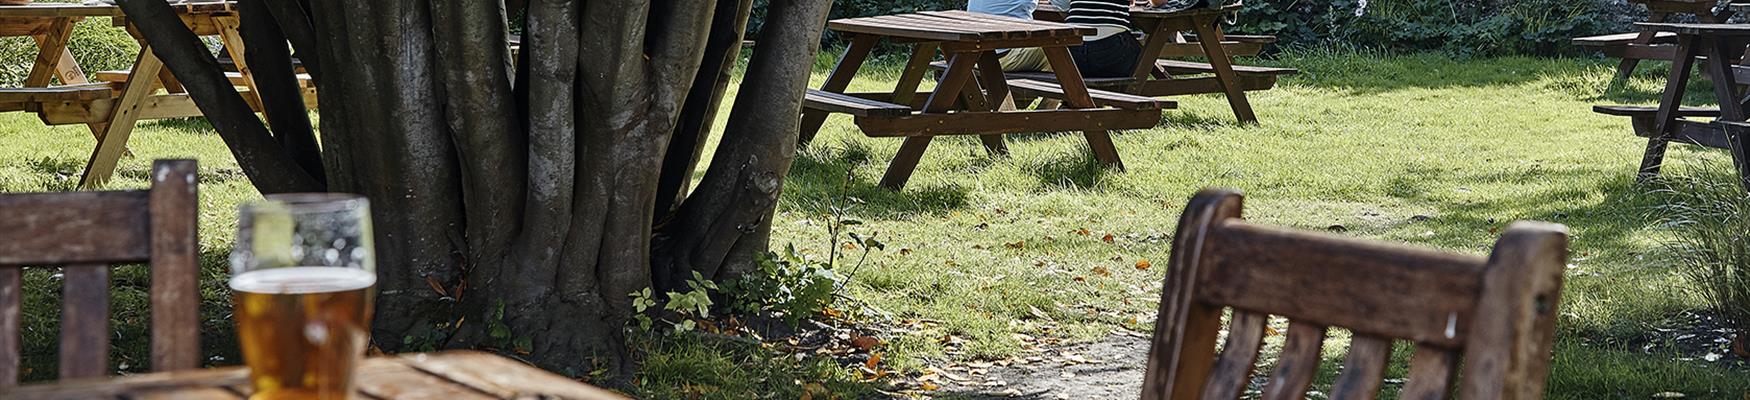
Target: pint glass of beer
{"type": "Point", "coordinates": [303, 274]}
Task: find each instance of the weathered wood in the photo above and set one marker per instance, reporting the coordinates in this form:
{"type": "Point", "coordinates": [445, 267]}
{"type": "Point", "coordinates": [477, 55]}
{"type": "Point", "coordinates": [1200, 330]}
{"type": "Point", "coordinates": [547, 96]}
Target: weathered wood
{"type": "Point", "coordinates": [113, 142]}
{"type": "Point", "coordinates": [1075, 95]}
{"type": "Point", "coordinates": [1431, 371]}
{"type": "Point", "coordinates": [85, 92]}
{"type": "Point", "coordinates": [87, 231]}
{"type": "Point", "coordinates": [44, 228]}
{"type": "Point", "coordinates": [1019, 121]}
{"type": "Point", "coordinates": [1186, 328]}
{"type": "Point", "coordinates": [837, 81]}
{"type": "Point", "coordinates": [841, 103]}
{"type": "Point", "coordinates": [1507, 354]}
{"type": "Point", "coordinates": [1499, 313]}
{"type": "Point", "coordinates": [1222, 65]}
{"type": "Point", "coordinates": [1363, 369]}
{"type": "Point", "coordinates": [1233, 371]}
{"type": "Point", "coordinates": [61, 10]}
{"type": "Point", "coordinates": [84, 321]}
{"type": "Point", "coordinates": [1034, 88]}
{"type": "Point", "coordinates": [11, 305]}
{"type": "Point", "coordinates": [1422, 295]}
{"type": "Point", "coordinates": [173, 204]}
{"type": "Point", "coordinates": [502, 377]}
{"type": "Point", "coordinates": [1298, 363]}
{"type": "Point", "coordinates": [947, 92]}
{"type": "Point", "coordinates": [1192, 67]}
{"type": "Point", "coordinates": [996, 96]}
{"type": "Point", "coordinates": [51, 43]}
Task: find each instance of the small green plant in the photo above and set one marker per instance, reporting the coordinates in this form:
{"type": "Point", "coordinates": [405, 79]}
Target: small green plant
{"type": "Point", "coordinates": [1710, 220]}
{"type": "Point", "coordinates": [795, 286]}
{"type": "Point", "coordinates": [692, 305]}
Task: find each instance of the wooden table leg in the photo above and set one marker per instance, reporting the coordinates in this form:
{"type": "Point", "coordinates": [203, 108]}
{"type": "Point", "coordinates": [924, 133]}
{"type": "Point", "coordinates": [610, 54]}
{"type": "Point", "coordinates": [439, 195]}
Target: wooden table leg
{"type": "Point", "coordinates": [1672, 99]}
{"type": "Point", "coordinates": [1075, 95]}
{"type": "Point", "coordinates": [1654, 156]}
{"type": "Point", "coordinates": [1719, 69]}
{"type": "Point", "coordinates": [996, 98]}
{"type": "Point", "coordinates": [915, 68]}
{"type": "Point", "coordinates": [142, 81]}
{"type": "Point", "coordinates": [941, 100]}
{"type": "Point", "coordinates": [51, 44]}
{"type": "Point", "coordinates": [1155, 41]}
{"type": "Point", "coordinates": [1627, 66]}
{"type": "Point", "coordinates": [1209, 35]}
{"type": "Point", "coordinates": [836, 82]}
{"type": "Point", "coordinates": [234, 45]}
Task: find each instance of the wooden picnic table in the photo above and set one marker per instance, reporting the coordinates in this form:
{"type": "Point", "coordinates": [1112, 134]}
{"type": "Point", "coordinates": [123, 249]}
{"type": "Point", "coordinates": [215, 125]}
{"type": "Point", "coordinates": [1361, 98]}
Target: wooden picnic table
{"type": "Point", "coordinates": [454, 375]}
{"type": "Point", "coordinates": [1651, 44]}
{"type": "Point", "coordinates": [1720, 44]}
{"type": "Point", "coordinates": [111, 105]}
{"type": "Point", "coordinates": [1163, 39]}
{"type": "Point", "coordinates": [969, 102]}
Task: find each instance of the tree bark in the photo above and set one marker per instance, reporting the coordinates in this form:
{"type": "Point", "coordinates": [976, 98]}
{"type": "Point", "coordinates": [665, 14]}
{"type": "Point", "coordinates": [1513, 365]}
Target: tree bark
{"type": "Point", "coordinates": [520, 200]}
{"type": "Point", "coordinates": [719, 234]}
{"type": "Point", "coordinates": [266, 163]}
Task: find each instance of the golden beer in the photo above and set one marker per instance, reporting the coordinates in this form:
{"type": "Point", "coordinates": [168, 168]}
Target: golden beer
{"type": "Point", "coordinates": [303, 329]}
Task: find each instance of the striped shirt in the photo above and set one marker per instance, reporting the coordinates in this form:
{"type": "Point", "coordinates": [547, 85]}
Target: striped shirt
{"type": "Point", "coordinates": [1108, 16]}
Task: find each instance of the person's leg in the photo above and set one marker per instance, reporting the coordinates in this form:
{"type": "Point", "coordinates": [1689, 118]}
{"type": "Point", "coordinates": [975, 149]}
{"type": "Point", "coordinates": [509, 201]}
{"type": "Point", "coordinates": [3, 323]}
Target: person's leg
{"type": "Point", "coordinates": [1111, 57]}
{"type": "Point", "coordinates": [1024, 59]}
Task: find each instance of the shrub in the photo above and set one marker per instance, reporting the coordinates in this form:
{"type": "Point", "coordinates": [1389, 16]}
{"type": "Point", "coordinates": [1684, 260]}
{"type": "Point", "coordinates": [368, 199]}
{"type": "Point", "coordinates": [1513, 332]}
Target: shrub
{"type": "Point", "coordinates": [1710, 223]}
{"type": "Point", "coordinates": [1458, 27]}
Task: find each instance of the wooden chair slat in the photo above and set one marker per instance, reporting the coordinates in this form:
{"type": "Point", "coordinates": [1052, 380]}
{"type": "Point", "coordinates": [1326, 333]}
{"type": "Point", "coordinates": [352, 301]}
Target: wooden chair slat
{"type": "Point", "coordinates": [1363, 369]}
{"type": "Point", "coordinates": [1431, 370]}
{"type": "Point", "coordinates": [1233, 371]}
{"type": "Point", "coordinates": [1498, 313]}
{"type": "Point", "coordinates": [84, 321]}
{"type": "Point", "coordinates": [1507, 354]}
{"type": "Point", "coordinates": [87, 231]}
{"type": "Point", "coordinates": [44, 228]}
{"type": "Point", "coordinates": [1298, 364]}
{"type": "Point", "coordinates": [1311, 277]}
{"type": "Point", "coordinates": [175, 293]}
{"type": "Point", "coordinates": [11, 297]}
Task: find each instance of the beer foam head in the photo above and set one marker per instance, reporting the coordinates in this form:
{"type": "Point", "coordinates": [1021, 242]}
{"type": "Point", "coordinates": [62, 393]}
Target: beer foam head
{"type": "Point", "coordinates": [301, 280]}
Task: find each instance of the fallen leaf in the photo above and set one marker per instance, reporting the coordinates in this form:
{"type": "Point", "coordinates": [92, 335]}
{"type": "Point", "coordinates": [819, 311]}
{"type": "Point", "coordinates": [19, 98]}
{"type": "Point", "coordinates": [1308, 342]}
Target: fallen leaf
{"type": "Point", "coordinates": [864, 342]}
{"type": "Point", "coordinates": [905, 251]}
{"type": "Point", "coordinates": [1083, 232]}
{"type": "Point", "coordinates": [1080, 278]}
{"type": "Point", "coordinates": [1142, 265]}
{"type": "Point", "coordinates": [435, 287]}
{"type": "Point", "coordinates": [1102, 271]}
{"type": "Point", "coordinates": [873, 360]}
{"type": "Point", "coordinates": [1019, 244]}
{"type": "Point", "coordinates": [929, 386]}
{"type": "Point", "coordinates": [1108, 238]}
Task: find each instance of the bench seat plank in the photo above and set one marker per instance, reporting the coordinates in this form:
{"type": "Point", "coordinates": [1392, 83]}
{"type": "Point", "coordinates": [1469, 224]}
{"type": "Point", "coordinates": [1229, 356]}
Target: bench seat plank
{"type": "Point", "coordinates": [841, 103]}
{"type": "Point", "coordinates": [1101, 97]}
{"type": "Point", "coordinates": [1181, 66]}
{"type": "Point", "coordinates": [1617, 39]}
{"type": "Point", "coordinates": [81, 92]}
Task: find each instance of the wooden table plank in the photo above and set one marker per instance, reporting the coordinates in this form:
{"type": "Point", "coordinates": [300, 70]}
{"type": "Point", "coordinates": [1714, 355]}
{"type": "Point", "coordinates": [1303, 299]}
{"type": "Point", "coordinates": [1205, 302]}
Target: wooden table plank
{"type": "Point", "coordinates": [453, 375]}
{"type": "Point", "coordinates": [60, 10]}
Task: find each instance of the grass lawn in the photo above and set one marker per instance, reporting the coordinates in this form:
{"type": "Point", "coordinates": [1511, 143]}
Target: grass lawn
{"type": "Point", "coordinates": [1419, 149]}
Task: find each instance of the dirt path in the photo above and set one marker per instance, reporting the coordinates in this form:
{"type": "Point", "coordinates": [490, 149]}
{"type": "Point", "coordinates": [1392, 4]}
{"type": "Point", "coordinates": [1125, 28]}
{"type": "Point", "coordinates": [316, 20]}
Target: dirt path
{"type": "Point", "coordinates": [1107, 369]}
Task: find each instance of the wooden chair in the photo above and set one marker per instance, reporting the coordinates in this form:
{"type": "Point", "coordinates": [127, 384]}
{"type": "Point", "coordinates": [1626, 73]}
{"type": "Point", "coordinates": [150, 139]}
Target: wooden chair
{"type": "Point", "coordinates": [85, 232]}
{"type": "Point", "coordinates": [1496, 314]}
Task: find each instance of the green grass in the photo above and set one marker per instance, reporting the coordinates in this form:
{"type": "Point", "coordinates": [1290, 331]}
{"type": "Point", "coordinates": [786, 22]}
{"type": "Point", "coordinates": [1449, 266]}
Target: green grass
{"type": "Point", "coordinates": [1418, 149]}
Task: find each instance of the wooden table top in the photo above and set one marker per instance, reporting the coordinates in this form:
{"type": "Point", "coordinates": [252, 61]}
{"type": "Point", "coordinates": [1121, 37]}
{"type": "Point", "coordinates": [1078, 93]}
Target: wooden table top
{"type": "Point", "coordinates": [1698, 29]}
{"type": "Point", "coordinates": [450, 375]}
{"type": "Point", "coordinates": [61, 10]}
{"type": "Point", "coordinates": [957, 26]}
{"type": "Point", "coordinates": [1137, 11]}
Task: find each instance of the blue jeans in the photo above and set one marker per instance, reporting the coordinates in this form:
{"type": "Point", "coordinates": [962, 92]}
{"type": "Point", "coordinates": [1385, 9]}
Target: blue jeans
{"type": "Point", "coordinates": [1112, 57]}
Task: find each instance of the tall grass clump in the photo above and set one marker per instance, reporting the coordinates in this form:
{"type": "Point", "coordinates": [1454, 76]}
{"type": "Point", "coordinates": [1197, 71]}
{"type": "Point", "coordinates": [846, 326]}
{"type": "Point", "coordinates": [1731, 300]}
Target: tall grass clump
{"type": "Point", "coordinates": [1709, 215]}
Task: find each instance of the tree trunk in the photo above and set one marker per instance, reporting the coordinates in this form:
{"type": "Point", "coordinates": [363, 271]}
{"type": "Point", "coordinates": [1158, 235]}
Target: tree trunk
{"type": "Point", "coordinates": [514, 206]}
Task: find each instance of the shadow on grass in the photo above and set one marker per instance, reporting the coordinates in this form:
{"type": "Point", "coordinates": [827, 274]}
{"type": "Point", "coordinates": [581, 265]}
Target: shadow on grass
{"type": "Point", "coordinates": [1067, 170]}
{"type": "Point", "coordinates": [820, 176]}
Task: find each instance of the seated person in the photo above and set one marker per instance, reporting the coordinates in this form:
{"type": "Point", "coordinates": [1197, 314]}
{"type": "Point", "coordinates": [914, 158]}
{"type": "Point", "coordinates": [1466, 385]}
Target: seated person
{"type": "Point", "coordinates": [1112, 51]}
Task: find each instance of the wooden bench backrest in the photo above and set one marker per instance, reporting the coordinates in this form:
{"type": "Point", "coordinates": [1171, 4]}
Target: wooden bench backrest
{"type": "Point", "coordinates": [1497, 315]}
{"type": "Point", "coordinates": [85, 232]}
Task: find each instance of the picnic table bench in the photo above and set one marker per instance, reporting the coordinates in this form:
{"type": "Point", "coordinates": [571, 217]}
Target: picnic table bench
{"type": "Point", "coordinates": [1715, 45]}
{"type": "Point", "coordinates": [112, 103]}
{"type": "Point", "coordinates": [1651, 44]}
{"type": "Point", "coordinates": [1163, 39]}
{"type": "Point", "coordinates": [972, 96]}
